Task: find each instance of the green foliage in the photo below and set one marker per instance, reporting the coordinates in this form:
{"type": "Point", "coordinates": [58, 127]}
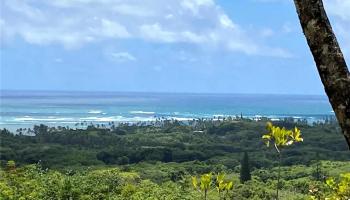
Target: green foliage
{"type": "Point", "coordinates": [207, 181]}
{"type": "Point", "coordinates": [223, 187]}
{"type": "Point", "coordinates": [137, 182]}
{"type": "Point", "coordinates": [339, 189]}
{"type": "Point", "coordinates": [332, 188]}
{"type": "Point", "coordinates": [253, 190]}
{"type": "Point", "coordinates": [220, 142]}
{"type": "Point", "coordinates": [281, 136]}
{"type": "Point", "coordinates": [245, 169]}
{"type": "Point", "coordinates": [31, 182]}
{"type": "Point", "coordinates": [148, 162]}
{"type": "Point", "coordinates": [11, 165]}
{"type": "Point", "coordinates": [203, 184]}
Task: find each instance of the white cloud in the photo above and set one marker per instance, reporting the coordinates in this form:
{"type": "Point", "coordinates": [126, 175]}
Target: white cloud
{"type": "Point", "coordinates": [122, 57]}
{"type": "Point", "coordinates": [113, 29]}
{"type": "Point", "coordinates": [156, 32]}
{"type": "Point", "coordinates": [226, 22]}
{"type": "Point", "coordinates": [73, 23]}
{"type": "Point", "coordinates": [133, 10]}
{"type": "Point", "coordinates": [195, 5]}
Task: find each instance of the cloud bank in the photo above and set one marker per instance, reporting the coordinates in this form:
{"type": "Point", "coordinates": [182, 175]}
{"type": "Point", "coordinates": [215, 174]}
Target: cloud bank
{"type": "Point", "coordinates": [75, 23]}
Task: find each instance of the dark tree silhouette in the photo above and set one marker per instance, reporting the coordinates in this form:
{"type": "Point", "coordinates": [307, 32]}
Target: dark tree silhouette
{"type": "Point", "coordinates": [245, 168]}
{"type": "Point", "coordinates": [328, 57]}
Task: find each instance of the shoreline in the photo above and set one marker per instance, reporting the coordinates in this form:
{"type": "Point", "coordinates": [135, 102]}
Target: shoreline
{"type": "Point", "coordinates": [158, 121]}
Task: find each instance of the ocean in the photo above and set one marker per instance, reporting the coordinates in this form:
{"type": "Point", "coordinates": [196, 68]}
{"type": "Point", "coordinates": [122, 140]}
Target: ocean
{"type": "Point", "coordinates": [23, 109]}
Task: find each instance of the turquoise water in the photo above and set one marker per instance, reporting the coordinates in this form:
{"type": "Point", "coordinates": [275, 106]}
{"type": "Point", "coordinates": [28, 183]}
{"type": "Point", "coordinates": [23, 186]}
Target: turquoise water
{"type": "Point", "coordinates": [26, 108]}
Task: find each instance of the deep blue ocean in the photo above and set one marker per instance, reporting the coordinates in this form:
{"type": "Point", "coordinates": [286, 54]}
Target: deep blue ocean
{"type": "Point", "coordinates": [23, 109]}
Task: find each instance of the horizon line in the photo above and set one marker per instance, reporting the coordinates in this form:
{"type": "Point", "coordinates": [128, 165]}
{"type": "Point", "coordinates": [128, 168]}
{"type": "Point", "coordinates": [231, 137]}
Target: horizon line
{"type": "Point", "coordinates": [156, 92]}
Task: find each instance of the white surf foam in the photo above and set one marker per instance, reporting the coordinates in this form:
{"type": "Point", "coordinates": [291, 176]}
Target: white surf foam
{"type": "Point", "coordinates": [50, 118]}
{"type": "Point", "coordinates": [142, 112]}
{"type": "Point", "coordinates": [95, 112]}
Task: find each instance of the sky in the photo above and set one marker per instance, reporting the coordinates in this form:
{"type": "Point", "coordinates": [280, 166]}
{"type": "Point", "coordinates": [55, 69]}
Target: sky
{"type": "Point", "coordinates": [196, 46]}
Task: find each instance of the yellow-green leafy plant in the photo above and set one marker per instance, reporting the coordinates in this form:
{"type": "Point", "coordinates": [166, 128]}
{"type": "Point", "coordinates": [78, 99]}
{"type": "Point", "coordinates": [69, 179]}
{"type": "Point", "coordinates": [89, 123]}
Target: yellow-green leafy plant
{"type": "Point", "coordinates": [204, 183]}
{"type": "Point", "coordinates": [340, 190]}
{"type": "Point", "coordinates": [223, 186]}
{"type": "Point", "coordinates": [279, 138]}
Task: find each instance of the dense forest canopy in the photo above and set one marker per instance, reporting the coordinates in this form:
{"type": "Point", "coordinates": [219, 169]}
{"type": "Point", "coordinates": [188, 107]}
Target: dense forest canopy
{"type": "Point", "coordinates": [157, 162]}
{"type": "Point", "coordinates": [208, 141]}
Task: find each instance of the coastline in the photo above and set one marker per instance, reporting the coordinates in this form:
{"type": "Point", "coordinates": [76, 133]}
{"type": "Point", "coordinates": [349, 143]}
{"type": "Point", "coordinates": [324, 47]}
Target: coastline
{"type": "Point", "coordinates": [24, 109]}
{"type": "Point", "coordinates": [159, 121]}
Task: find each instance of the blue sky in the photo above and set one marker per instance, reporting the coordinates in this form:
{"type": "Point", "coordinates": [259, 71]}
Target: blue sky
{"type": "Point", "coordinates": [223, 46]}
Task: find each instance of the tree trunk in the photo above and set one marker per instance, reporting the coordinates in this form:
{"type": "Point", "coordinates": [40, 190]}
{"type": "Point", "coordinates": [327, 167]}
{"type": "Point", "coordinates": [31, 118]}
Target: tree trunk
{"type": "Point", "coordinates": [329, 59]}
{"type": "Point", "coordinates": [279, 174]}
